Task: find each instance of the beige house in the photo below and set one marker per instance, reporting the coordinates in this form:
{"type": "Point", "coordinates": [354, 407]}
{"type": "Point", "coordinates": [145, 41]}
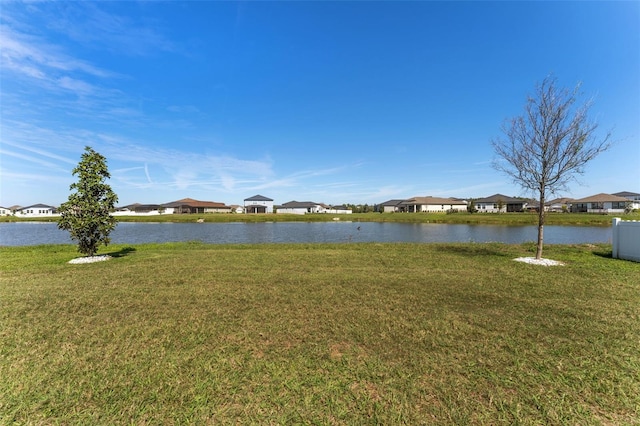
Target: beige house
{"type": "Point", "coordinates": [600, 203]}
{"type": "Point", "coordinates": [432, 205]}
{"type": "Point", "coordinates": [189, 205]}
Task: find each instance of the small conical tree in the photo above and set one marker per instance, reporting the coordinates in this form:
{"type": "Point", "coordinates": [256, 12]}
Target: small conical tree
{"type": "Point", "coordinates": [86, 214]}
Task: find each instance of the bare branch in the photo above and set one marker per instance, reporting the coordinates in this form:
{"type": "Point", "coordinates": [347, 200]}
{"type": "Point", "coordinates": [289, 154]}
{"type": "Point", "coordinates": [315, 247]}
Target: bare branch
{"type": "Point", "coordinates": [546, 147]}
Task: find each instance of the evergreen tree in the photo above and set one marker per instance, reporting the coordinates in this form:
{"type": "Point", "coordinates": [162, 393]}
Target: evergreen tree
{"type": "Point", "coordinates": [86, 214]}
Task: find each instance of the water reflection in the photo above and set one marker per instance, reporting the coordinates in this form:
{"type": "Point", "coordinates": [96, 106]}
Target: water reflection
{"type": "Point", "coordinates": [34, 233]}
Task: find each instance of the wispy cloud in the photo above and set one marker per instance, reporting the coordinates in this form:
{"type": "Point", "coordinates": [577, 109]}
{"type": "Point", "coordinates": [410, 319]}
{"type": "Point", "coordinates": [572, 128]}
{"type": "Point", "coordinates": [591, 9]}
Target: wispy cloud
{"type": "Point", "coordinates": [93, 25]}
{"type": "Point", "coordinates": [40, 152]}
{"type": "Point", "coordinates": [42, 72]}
{"type": "Point", "coordinates": [56, 101]}
{"type": "Point", "coordinates": [30, 159]}
{"type": "Point", "coordinates": [183, 169]}
{"type": "Point", "coordinates": [39, 178]}
{"type": "Point", "coordinates": [32, 55]}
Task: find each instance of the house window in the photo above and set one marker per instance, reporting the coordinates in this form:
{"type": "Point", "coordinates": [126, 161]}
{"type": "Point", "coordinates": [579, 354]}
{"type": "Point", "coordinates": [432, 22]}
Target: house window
{"type": "Point", "coordinates": [597, 206]}
{"type": "Point", "coordinates": [618, 205]}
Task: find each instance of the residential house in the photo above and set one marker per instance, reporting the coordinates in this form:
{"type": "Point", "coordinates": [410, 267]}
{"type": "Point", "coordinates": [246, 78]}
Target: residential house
{"type": "Point", "coordinates": [600, 203]}
{"type": "Point", "coordinates": [433, 205]}
{"type": "Point", "coordinates": [634, 197]}
{"type": "Point", "coordinates": [258, 204]}
{"type": "Point", "coordinates": [499, 203]}
{"type": "Point", "coordinates": [301, 207]}
{"type": "Point", "coordinates": [189, 205]}
{"type": "Point", "coordinates": [5, 211]}
{"type": "Point", "coordinates": [342, 209]}
{"type": "Point", "coordinates": [391, 206]}
{"type": "Point", "coordinates": [141, 209]}
{"type": "Point", "coordinates": [559, 205]}
{"type": "Point", "coordinates": [37, 210]}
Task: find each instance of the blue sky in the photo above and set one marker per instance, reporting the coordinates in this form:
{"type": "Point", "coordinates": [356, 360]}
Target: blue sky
{"type": "Point", "coordinates": [335, 102]}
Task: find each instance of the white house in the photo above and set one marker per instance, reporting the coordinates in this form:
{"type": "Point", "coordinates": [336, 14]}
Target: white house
{"type": "Point", "coordinates": [141, 210]}
{"type": "Point", "coordinates": [5, 211]}
{"type": "Point", "coordinates": [433, 205]}
{"type": "Point", "coordinates": [301, 207]}
{"type": "Point", "coordinates": [600, 203]}
{"type": "Point", "coordinates": [258, 204]}
{"type": "Point", "coordinates": [634, 197]}
{"type": "Point", "coordinates": [36, 210]}
{"type": "Point", "coordinates": [559, 205]}
{"type": "Point", "coordinates": [499, 203]}
{"type": "Point", "coordinates": [339, 210]}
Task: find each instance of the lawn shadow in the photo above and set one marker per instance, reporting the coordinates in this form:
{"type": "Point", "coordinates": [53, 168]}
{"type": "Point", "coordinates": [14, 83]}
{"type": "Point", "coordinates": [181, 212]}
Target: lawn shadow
{"type": "Point", "coordinates": [122, 252]}
{"type": "Point", "coordinates": [475, 249]}
{"type": "Point", "coordinates": [607, 254]}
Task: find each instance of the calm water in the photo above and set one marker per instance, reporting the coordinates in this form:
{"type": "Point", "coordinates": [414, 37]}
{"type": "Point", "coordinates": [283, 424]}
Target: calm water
{"type": "Point", "coordinates": [33, 233]}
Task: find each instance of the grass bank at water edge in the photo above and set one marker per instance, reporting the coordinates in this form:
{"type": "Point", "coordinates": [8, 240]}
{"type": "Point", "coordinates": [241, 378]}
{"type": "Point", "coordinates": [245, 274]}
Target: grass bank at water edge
{"type": "Point", "coordinates": [319, 334]}
{"type": "Point", "coordinates": [575, 219]}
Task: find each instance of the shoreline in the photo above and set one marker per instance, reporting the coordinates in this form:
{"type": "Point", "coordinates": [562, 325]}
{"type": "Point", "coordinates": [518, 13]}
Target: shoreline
{"type": "Point", "coordinates": [561, 219]}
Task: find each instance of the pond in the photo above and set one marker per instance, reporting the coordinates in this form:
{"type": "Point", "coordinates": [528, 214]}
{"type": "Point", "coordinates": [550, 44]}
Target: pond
{"type": "Point", "coordinates": [35, 233]}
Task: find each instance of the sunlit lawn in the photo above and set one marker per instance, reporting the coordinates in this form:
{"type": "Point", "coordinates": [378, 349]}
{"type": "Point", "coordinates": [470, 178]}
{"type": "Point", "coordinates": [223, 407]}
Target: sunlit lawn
{"type": "Point", "coordinates": [319, 334]}
{"type": "Point", "coordinates": [456, 218]}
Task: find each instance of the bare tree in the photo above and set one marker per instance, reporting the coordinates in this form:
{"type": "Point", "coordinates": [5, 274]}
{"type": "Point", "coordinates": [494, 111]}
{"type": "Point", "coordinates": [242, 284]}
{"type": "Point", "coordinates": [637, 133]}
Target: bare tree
{"type": "Point", "coordinates": [546, 147]}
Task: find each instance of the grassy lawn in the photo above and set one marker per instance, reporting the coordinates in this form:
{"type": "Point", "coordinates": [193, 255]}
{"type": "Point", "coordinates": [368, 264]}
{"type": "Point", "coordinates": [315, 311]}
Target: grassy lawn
{"type": "Point", "coordinates": [319, 334]}
{"type": "Point", "coordinates": [457, 218]}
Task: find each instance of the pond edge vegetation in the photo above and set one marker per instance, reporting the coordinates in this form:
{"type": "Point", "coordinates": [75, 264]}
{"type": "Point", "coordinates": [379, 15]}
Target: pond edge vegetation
{"type": "Point", "coordinates": [571, 219]}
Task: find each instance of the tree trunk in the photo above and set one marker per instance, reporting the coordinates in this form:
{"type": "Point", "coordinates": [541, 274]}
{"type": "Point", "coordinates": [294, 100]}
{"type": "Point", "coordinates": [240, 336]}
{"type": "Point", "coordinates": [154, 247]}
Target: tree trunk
{"type": "Point", "coordinates": [540, 226]}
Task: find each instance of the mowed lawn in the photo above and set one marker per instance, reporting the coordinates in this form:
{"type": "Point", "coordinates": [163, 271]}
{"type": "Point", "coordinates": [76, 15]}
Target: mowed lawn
{"type": "Point", "coordinates": [319, 334]}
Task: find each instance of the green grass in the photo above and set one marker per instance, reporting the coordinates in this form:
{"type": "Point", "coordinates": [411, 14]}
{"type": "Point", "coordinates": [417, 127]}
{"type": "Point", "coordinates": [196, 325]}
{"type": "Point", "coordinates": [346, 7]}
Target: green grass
{"type": "Point", "coordinates": [319, 334]}
{"type": "Point", "coordinates": [457, 218]}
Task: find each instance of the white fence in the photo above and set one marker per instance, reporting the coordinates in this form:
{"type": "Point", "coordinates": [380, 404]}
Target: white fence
{"type": "Point", "coordinates": [626, 239]}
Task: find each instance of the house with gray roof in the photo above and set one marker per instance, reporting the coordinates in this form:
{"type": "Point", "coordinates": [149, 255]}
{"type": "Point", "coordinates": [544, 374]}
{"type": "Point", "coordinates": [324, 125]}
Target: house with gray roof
{"type": "Point", "coordinates": [634, 197]}
{"type": "Point", "coordinates": [258, 204]}
{"type": "Point", "coordinates": [391, 206]}
{"type": "Point", "coordinates": [433, 205]}
{"type": "Point", "coordinates": [302, 207]}
{"type": "Point", "coordinates": [499, 203]}
{"type": "Point", "coordinates": [37, 210]}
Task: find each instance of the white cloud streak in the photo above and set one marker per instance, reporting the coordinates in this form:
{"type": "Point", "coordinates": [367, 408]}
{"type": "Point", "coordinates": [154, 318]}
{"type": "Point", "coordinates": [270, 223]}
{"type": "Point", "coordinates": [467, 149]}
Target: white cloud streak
{"type": "Point", "coordinates": [46, 78]}
{"type": "Point", "coordinates": [94, 26]}
{"type": "Point", "coordinates": [31, 55]}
